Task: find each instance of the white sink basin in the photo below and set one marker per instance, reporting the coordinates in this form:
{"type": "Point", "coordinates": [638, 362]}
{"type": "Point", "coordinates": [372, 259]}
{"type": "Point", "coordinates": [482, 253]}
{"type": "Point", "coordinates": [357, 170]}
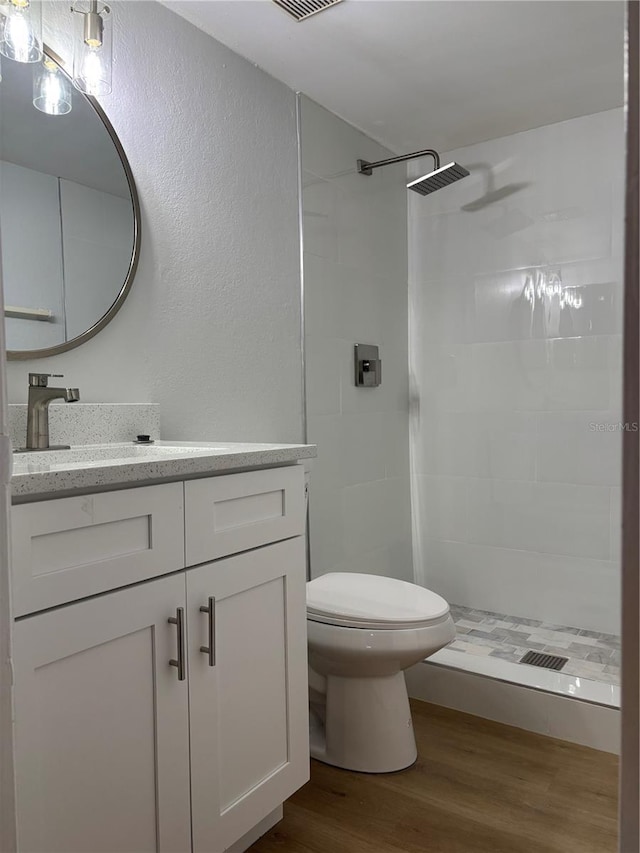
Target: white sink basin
{"type": "Point", "coordinates": [93, 455]}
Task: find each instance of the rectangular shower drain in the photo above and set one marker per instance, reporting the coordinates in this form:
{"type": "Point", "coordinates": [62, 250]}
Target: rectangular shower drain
{"type": "Point", "coordinates": [545, 661]}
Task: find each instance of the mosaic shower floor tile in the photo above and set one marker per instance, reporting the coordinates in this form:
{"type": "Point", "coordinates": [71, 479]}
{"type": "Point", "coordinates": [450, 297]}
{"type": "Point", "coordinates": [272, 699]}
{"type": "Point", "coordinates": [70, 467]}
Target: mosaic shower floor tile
{"type": "Point", "coordinates": [592, 655]}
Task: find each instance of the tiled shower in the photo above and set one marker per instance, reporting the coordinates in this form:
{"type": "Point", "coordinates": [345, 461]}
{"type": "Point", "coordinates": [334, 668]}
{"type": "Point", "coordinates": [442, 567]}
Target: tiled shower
{"type": "Point", "coordinates": [355, 291]}
{"type": "Point", "coordinates": [487, 465]}
{"type": "Point", "coordinates": [515, 289]}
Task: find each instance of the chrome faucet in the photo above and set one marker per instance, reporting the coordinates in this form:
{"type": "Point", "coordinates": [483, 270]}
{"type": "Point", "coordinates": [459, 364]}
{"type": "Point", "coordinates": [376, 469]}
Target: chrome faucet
{"type": "Point", "coordinates": [40, 395]}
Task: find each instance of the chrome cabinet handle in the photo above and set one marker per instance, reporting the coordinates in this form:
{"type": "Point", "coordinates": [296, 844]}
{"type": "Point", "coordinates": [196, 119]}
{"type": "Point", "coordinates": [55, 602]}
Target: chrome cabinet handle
{"type": "Point", "coordinates": [211, 648]}
{"type": "Point", "coordinates": [178, 620]}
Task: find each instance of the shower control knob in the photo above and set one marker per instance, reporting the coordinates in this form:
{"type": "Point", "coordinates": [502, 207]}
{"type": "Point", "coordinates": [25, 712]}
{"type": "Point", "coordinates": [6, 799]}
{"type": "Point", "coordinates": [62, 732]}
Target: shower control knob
{"type": "Point", "coordinates": [368, 366]}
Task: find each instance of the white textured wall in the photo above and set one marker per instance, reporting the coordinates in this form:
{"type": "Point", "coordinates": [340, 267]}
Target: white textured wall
{"type": "Point", "coordinates": [210, 330]}
{"type": "Point", "coordinates": [355, 282]}
{"type": "Point", "coordinates": [516, 494]}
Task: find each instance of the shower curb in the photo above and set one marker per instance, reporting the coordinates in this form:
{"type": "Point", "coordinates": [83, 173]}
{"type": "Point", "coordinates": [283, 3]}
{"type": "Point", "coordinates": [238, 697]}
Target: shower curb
{"type": "Point", "coordinates": [523, 707]}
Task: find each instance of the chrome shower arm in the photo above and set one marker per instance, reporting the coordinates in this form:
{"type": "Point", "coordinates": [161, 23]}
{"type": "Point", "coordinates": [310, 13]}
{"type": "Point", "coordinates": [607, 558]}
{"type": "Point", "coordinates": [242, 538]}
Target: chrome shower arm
{"type": "Point", "coordinates": [365, 168]}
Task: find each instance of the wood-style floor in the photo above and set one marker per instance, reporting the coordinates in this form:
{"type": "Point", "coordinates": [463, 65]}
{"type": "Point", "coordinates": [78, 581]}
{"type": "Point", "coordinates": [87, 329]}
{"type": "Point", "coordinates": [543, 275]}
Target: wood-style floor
{"type": "Point", "coordinates": [478, 787]}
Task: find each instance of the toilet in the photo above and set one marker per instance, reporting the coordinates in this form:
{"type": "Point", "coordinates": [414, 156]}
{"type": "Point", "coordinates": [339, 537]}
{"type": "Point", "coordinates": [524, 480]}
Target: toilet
{"type": "Point", "coordinates": [363, 631]}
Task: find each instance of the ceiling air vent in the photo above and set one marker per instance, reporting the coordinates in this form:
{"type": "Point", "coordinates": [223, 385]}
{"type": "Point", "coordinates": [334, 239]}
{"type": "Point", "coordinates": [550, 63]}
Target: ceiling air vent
{"type": "Point", "coordinates": [303, 9]}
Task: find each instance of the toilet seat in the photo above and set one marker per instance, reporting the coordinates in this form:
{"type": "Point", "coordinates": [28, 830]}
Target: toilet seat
{"type": "Point", "coordinates": [363, 632]}
{"type": "Point", "coordinates": [352, 600]}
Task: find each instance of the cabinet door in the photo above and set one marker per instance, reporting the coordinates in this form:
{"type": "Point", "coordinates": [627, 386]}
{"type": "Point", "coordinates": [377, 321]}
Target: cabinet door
{"type": "Point", "coordinates": [102, 737]}
{"type": "Point", "coordinates": [249, 707]}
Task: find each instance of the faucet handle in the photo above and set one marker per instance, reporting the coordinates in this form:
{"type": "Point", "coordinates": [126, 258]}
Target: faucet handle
{"type": "Point", "coordinates": [40, 380]}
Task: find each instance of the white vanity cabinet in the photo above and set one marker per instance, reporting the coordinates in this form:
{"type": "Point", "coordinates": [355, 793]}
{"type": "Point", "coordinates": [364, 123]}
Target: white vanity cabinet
{"type": "Point", "coordinates": [249, 700]}
{"type": "Point", "coordinates": [102, 726]}
{"type": "Point", "coordinates": [170, 714]}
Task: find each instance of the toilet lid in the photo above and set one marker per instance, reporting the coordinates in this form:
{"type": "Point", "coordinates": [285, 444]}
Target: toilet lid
{"type": "Point", "coordinates": [360, 600]}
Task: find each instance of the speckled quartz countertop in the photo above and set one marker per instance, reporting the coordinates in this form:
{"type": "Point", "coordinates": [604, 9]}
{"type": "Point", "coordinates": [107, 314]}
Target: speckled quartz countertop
{"type": "Point", "coordinates": [81, 469]}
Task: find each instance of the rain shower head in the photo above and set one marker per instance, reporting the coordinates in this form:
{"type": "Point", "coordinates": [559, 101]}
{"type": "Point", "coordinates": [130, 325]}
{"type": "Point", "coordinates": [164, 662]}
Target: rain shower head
{"type": "Point", "coordinates": [442, 176]}
{"type": "Point", "coordinates": [437, 179]}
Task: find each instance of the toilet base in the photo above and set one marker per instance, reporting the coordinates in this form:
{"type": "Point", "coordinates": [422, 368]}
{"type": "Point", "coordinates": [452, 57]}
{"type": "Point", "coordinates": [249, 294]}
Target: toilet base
{"type": "Point", "coordinates": [365, 724]}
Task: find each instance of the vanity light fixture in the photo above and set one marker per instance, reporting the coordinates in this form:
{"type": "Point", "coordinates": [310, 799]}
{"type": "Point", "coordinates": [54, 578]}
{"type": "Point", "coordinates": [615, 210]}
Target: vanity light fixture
{"type": "Point", "coordinates": [21, 30]}
{"type": "Point", "coordinates": [51, 89]}
{"type": "Point", "coordinates": [92, 48]}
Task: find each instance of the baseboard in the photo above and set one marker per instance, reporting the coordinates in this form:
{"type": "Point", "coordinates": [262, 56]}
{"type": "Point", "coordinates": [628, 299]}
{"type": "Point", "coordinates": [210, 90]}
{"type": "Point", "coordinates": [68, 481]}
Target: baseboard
{"type": "Point", "coordinates": [523, 707]}
{"type": "Point", "coordinates": [257, 832]}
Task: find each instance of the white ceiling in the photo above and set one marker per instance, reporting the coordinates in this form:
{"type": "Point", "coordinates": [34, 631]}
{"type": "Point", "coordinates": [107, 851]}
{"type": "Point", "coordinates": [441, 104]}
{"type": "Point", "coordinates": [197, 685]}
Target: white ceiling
{"type": "Point", "coordinates": [434, 73]}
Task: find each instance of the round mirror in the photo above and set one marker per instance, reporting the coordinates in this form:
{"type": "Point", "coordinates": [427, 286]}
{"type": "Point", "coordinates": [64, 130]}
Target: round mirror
{"type": "Point", "coordinates": [69, 212]}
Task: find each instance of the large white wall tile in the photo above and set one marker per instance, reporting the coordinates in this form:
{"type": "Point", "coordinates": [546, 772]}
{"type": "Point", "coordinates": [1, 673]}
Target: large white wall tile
{"type": "Point", "coordinates": [319, 220]}
{"type": "Point", "coordinates": [553, 588]}
{"type": "Point", "coordinates": [366, 512]}
{"type": "Point", "coordinates": [551, 518]}
{"type": "Point", "coordinates": [361, 306]}
{"type": "Point", "coordinates": [444, 509]}
{"type": "Point", "coordinates": [509, 438]}
{"type": "Point", "coordinates": [330, 144]}
{"type": "Point", "coordinates": [321, 295]}
{"type": "Point", "coordinates": [509, 376]}
{"type": "Point", "coordinates": [578, 374]}
{"type": "Point", "coordinates": [328, 467]}
{"type": "Point", "coordinates": [579, 447]}
{"type": "Point", "coordinates": [322, 363]}
{"type": "Point", "coordinates": [441, 376]}
{"type": "Point", "coordinates": [363, 443]}
{"type": "Point", "coordinates": [355, 275]}
{"type": "Point", "coordinates": [326, 528]}
{"type": "Point", "coordinates": [482, 444]}
{"type": "Point", "coordinates": [395, 445]}
{"type": "Point", "coordinates": [393, 560]}
{"type": "Point", "coordinates": [515, 390]}
{"type": "Point", "coordinates": [502, 311]}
